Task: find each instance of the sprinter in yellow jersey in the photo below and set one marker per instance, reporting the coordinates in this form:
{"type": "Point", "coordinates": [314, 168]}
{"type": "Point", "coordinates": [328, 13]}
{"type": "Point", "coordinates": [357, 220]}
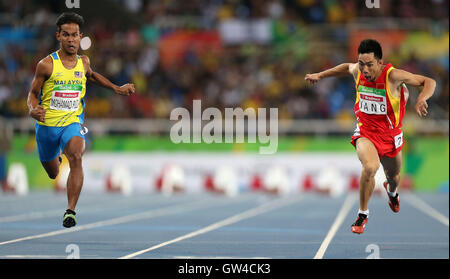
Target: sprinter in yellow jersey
{"type": "Point", "coordinates": [56, 101]}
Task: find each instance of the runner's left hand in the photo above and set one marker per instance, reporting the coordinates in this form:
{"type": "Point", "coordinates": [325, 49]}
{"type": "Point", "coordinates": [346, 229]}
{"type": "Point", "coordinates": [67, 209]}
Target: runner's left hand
{"type": "Point", "coordinates": [126, 89]}
{"type": "Point", "coordinates": [421, 107]}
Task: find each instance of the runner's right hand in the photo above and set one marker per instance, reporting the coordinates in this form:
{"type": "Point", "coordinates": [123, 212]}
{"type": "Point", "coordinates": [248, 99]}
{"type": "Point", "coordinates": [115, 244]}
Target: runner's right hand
{"type": "Point", "coordinates": [38, 113]}
{"type": "Point", "coordinates": [312, 78]}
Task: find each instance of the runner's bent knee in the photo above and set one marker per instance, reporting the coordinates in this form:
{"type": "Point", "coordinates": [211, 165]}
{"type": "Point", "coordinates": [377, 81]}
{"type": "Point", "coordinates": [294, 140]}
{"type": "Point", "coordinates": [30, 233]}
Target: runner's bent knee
{"type": "Point", "coordinates": [370, 169]}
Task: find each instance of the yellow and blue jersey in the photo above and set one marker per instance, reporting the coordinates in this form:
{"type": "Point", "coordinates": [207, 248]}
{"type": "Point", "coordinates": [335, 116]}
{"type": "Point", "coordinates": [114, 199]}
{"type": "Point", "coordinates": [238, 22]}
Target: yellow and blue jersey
{"type": "Point", "coordinates": [62, 95]}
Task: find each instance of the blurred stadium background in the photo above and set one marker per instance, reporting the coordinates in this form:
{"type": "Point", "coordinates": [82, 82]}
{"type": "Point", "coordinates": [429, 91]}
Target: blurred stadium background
{"type": "Point", "coordinates": [227, 53]}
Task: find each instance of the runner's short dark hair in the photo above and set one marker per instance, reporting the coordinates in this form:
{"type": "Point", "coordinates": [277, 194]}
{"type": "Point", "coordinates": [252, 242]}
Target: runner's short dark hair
{"type": "Point", "coordinates": [69, 18]}
{"type": "Point", "coordinates": [370, 45]}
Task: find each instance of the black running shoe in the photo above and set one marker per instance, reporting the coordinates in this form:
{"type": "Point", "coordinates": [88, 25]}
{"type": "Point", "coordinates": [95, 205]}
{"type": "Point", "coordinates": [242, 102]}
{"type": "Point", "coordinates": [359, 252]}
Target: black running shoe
{"type": "Point", "coordinates": [69, 219]}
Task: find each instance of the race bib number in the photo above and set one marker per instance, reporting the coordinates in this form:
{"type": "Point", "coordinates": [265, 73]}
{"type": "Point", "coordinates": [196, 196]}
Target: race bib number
{"type": "Point", "coordinates": [65, 100]}
{"type": "Point", "coordinates": [398, 140]}
{"type": "Point", "coordinates": [372, 104]}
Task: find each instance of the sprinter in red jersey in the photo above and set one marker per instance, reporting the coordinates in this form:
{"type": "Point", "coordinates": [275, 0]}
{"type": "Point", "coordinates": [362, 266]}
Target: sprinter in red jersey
{"type": "Point", "coordinates": [381, 96]}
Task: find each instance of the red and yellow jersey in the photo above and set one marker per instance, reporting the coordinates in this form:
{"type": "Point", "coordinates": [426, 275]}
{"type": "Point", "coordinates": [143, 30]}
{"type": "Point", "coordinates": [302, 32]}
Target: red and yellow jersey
{"type": "Point", "coordinates": [376, 108]}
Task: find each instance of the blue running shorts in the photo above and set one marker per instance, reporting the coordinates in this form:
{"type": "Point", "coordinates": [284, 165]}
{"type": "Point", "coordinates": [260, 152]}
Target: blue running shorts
{"type": "Point", "coordinates": [52, 140]}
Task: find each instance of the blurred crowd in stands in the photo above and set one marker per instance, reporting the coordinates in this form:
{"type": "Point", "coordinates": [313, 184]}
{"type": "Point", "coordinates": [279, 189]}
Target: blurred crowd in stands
{"type": "Point", "coordinates": [129, 44]}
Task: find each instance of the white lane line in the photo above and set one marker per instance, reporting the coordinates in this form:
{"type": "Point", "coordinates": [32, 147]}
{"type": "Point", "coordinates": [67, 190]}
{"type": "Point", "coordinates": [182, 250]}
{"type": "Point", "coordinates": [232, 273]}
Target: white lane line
{"type": "Point", "coordinates": [59, 212]}
{"type": "Point", "coordinates": [425, 208]}
{"type": "Point", "coordinates": [33, 256]}
{"type": "Point", "coordinates": [31, 216]}
{"type": "Point", "coordinates": [228, 221]}
{"type": "Point", "coordinates": [179, 208]}
{"type": "Point", "coordinates": [346, 206]}
{"type": "Point", "coordinates": [220, 257]}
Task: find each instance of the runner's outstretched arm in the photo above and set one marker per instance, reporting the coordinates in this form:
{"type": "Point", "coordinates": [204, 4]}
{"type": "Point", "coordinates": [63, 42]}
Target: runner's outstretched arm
{"type": "Point", "coordinates": [126, 89]}
{"type": "Point", "coordinates": [398, 76]}
{"type": "Point", "coordinates": [340, 70]}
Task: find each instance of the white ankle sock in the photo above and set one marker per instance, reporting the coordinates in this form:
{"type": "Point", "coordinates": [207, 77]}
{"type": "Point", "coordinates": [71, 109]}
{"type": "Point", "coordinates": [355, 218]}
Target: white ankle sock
{"type": "Point", "coordinates": [392, 194]}
{"type": "Point", "coordinates": [365, 212]}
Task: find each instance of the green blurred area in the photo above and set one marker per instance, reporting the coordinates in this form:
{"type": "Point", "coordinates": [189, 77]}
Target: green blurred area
{"type": "Point", "coordinates": [425, 159]}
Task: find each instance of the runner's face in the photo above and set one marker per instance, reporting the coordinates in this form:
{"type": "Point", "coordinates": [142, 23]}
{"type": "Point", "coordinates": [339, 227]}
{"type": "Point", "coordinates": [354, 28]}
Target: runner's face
{"type": "Point", "coordinates": [69, 37]}
{"type": "Point", "coordinates": [369, 66]}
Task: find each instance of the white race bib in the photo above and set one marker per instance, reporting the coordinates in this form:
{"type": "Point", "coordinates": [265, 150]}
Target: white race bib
{"type": "Point", "coordinates": [372, 104]}
{"type": "Point", "coordinates": [65, 100]}
{"type": "Point", "coordinates": [398, 140]}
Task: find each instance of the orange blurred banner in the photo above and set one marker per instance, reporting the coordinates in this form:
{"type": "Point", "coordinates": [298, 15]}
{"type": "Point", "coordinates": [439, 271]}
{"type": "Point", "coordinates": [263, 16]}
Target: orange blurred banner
{"type": "Point", "coordinates": [389, 40]}
{"type": "Point", "coordinates": [175, 46]}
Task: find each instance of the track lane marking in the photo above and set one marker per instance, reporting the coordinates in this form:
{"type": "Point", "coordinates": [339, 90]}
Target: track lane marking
{"type": "Point", "coordinates": [173, 209]}
{"type": "Point", "coordinates": [425, 208]}
{"type": "Point", "coordinates": [58, 212]}
{"type": "Point", "coordinates": [346, 206]}
{"type": "Point", "coordinates": [266, 207]}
